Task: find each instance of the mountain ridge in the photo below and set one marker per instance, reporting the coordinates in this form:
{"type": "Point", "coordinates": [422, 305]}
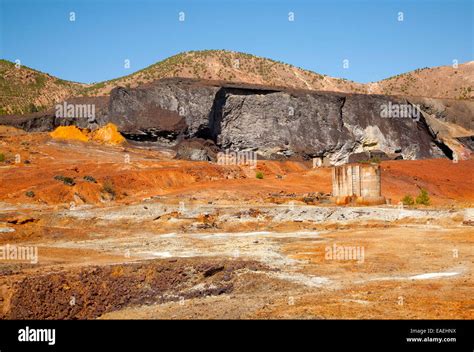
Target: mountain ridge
{"type": "Point", "coordinates": [28, 90]}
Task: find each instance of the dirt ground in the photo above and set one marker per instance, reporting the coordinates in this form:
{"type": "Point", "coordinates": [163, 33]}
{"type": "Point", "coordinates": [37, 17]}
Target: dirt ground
{"type": "Point", "coordinates": [127, 232]}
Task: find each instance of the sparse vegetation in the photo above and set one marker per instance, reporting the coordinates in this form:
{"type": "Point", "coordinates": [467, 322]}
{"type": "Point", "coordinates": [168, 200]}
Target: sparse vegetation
{"type": "Point", "coordinates": [32, 108]}
{"type": "Point", "coordinates": [259, 175]}
{"type": "Point", "coordinates": [408, 200]}
{"type": "Point", "coordinates": [90, 179]}
{"type": "Point", "coordinates": [423, 198]}
{"type": "Point", "coordinates": [66, 180]}
{"type": "Point", "coordinates": [195, 63]}
{"type": "Point", "coordinates": [465, 93]}
{"type": "Point", "coordinates": [108, 187]}
{"type": "Point", "coordinates": [30, 194]}
{"type": "Point", "coordinates": [21, 87]}
{"type": "Point", "coordinates": [2, 157]}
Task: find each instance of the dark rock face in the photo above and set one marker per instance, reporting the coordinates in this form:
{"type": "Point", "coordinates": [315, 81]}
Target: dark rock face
{"type": "Point", "coordinates": [49, 120]}
{"type": "Point", "coordinates": [36, 122]}
{"type": "Point", "coordinates": [276, 123]}
{"type": "Point", "coordinates": [315, 124]}
{"type": "Point", "coordinates": [372, 155]}
{"type": "Point", "coordinates": [460, 112]}
{"type": "Point", "coordinates": [196, 149]}
{"type": "Point", "coordinates": [279, 122]}
{"type": "Point", "coordinates": [468, 142]}
{"type": "Point", "coordinates": [166, 109]}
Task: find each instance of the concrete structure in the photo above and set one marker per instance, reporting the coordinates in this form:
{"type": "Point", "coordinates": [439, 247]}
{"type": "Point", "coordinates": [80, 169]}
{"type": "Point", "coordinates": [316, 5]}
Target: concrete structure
{"type": "Point", "coordinates": [357, 183]}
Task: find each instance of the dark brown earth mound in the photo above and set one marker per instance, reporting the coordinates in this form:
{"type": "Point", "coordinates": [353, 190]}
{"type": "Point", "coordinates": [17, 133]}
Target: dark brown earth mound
{"type": "Point", "coordinates": [92, 291]}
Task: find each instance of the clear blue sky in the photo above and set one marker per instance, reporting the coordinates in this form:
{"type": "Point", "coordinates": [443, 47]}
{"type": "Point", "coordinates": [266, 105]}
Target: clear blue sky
{"type": "Point", "coordinates": [322, 35]}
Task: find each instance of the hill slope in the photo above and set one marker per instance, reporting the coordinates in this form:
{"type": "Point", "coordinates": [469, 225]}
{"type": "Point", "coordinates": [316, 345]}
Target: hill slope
{"type": "Point", "coordinates": [221, 65]}
{"type": "Point", "coordinates": [436, 82]}
{"type": "Point", "coordinates": [24, 90]}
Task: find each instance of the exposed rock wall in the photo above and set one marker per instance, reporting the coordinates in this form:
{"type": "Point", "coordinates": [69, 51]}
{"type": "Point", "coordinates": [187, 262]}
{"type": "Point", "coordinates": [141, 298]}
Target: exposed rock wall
{"type": "Point", "coordinates": [317, 124]}
{"type": "Point", "coordinates": [274, 122]}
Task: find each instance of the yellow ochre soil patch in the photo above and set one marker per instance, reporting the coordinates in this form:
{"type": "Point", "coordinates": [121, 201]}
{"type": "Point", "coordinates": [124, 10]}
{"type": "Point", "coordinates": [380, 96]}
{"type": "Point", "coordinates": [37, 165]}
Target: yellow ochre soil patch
{"type": "Point", "coordinates": [107, 134]}
{"type": "Point", "coordinates": [69, 133]}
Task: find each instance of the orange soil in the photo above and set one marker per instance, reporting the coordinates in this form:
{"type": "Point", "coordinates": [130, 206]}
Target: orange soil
{"type": "Point", "coordinates": [150, 173]}
{"type": "Point", "coordinates": [445, 181]}
{"type": "Point", "coordinates": [400, 249]}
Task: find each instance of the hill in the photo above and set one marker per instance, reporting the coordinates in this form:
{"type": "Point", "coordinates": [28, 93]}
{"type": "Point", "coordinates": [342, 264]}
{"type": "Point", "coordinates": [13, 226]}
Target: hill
{"type": "Point", "coordinates": [25, 90]}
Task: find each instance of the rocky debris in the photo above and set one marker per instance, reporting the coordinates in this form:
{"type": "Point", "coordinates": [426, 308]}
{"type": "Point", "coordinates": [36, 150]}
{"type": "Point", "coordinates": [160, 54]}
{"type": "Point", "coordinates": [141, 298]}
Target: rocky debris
{"type": "Point", "coordinates": [35, 122]}
{"type": "Point", "coordinates": [92, 291]}
{"type": "Point", "coordinates": [468, 142]}
{"type": "Point", "coordinates": [274, 122]}
{"type": "Point", "coordinates": [19, 219]}
{"type": "Point", "coordinates": [196, 149]}
{"type": "Point", "coordinates": [46, 121]}
{"type": "Point", "coordinates": [316, 198]}
{"type": "Point", "coordinates": [372, 155]}
{"type": "Point", "coordinates": [212, 270]}
{"type": "Point", "coordinates": [291, 199]}
{"type": "Point", "coordinates": [455, 111]}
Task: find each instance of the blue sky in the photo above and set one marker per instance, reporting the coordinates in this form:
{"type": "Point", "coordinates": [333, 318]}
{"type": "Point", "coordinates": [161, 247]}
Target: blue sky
{"type": "Point", "coordinates": [322, 35]}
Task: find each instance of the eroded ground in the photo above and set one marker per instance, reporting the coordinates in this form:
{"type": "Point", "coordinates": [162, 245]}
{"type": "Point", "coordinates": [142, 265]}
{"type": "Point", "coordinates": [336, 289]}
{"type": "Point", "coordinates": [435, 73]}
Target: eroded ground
{"type": "Point", "coordinates": [147, 236]}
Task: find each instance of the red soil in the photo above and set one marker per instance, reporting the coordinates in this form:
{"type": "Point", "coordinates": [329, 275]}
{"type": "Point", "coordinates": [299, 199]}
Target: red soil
{"type": "Point", "coordinates": [152, 173]}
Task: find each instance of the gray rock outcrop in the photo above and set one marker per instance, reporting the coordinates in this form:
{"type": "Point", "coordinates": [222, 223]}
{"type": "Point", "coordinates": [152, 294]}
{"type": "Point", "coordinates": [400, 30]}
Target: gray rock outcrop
{"type": "Point", "coordinates": [273, 122]}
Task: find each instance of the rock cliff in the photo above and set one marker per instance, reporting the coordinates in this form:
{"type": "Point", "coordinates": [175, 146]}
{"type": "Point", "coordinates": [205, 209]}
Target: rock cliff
{"type": "Point", "coordinates": [275, 122]}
